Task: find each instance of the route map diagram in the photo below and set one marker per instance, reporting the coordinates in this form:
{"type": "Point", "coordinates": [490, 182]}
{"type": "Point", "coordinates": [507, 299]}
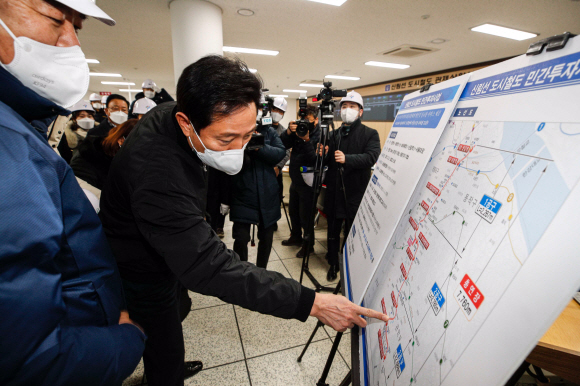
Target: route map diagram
{"type": "Point", "coordinates": [486, 197]}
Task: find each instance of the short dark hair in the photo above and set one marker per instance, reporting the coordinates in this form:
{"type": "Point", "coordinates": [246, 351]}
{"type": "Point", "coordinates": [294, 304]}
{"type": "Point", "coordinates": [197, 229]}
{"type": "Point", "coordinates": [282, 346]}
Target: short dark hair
{"type": "Point", "coordinates": [116, 96]}
{"type": "Point", "coordinates": [215, 87]}
{"type": "Point", "coordinates": [312, 110]}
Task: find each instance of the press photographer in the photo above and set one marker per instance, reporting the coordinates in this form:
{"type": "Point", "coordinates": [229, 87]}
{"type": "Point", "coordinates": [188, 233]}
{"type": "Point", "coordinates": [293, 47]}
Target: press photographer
{"type": "Point", "coordinates": [302, 136]}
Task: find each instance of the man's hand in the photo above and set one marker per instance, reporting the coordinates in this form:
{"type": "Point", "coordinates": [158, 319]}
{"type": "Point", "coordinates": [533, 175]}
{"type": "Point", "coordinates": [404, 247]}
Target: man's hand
{"type": "Point", "coordinates": [339, 313]}
{"type": "Point", "coordinates": [291, 128]}
{"type": "Point", "coordinates": [320, 149]}
{"type": "Point", "coordinates": [224, 209]}
{"type": "Point", "coordinates": [339, 157]}
{"type": "Point", "coordinates": [124, 319]}
{"type": "Point", "coordinates": [276, 170]}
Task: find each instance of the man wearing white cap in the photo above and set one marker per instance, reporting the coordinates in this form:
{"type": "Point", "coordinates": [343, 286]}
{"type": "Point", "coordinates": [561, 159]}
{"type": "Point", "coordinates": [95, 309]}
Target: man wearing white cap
{"type": "Point", "coordinates": [62, 301]}
{"type": "Point", "coordinates": [279, 107]}
{"type": "Point", "coordinates": [95, 100]}
{"type": "Point", "coordinates": [353, 149]}
{"type": "Point", "coordinates": [151, 91]}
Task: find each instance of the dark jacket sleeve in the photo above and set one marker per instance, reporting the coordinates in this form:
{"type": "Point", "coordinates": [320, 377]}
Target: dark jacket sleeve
{"type": "Point", "coordinates": [369, 156]}
{"type": "Point", "coordinates": [274, 152]}
{"type": "Point", "coordinates": [202, 262]}
{"type": "Point", "coordinates": [288, 139]}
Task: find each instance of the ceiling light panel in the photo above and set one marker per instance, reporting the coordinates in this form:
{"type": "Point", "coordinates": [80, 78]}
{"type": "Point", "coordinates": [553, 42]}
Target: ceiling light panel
{"type": "Point", "coordinates": [94, 61]}
{"type": "Point", "coordinates": [278, 95]}
{"type": "Point", "coordinates": [250, 51]}
{"type": "Point", "coordinates": [387, 65]}
{"type": "Point", "coordinates": [503, 32]}
{"type": "Point", "coordinates": [298, 91]}
{"type": "Point", "coordinates": [120, 83]}
{"type": "Point", "coordinates": [105, 74]}
{"type": "Point", "coordinates": [342, 77]}
{"type": "Point", "coordinates": [337, 3]}
{"type": "Point", "coordinates": [310, 85]}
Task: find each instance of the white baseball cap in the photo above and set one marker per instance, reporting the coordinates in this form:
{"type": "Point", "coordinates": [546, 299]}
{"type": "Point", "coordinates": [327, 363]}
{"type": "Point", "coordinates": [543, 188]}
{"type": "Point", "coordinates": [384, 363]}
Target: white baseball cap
{"type": "Point", "coordinates": [104, 100]}
{"type": "Point", "coordinates": [143, 105]}
{"type": "Point", "coordinates": [88, 8]}
{"type": "Point", "coordinates": [353, 96]}
{"type": "Point", "coordinates": [148, 83]}
{"type": "Point", "coordinates": [280, 102]}
{"type": "Point", "coordinates": [82, 106]}
{"type": "Point", "coordinates": [95, 97]}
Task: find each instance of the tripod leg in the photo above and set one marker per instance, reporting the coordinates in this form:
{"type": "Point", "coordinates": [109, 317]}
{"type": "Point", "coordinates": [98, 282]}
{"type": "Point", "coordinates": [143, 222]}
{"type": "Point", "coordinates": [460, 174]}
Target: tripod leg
{"type": "Point", "coordinates": [286, 213]}
{"type": "Point", "coordinates": [318, 325]}
{"type": "Point", "coordinates": [347, 380]}
{"type": "Point", "coordinates": [322, 380]}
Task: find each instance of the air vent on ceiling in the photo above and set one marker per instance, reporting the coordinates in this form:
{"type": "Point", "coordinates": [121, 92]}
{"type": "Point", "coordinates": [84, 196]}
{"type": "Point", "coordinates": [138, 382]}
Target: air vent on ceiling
{"type": "Point", "coordinates": [408, 51]}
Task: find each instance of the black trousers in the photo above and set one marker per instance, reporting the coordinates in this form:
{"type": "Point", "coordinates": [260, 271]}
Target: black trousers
{"type": "Point", "coordinates": [241, 235]}
{"type": "Point", "coordinates": [333, 236]}
{"type": "Point", "coordinates": [300, 208]}
{"type": "Point", "coordinates": [155, 307]}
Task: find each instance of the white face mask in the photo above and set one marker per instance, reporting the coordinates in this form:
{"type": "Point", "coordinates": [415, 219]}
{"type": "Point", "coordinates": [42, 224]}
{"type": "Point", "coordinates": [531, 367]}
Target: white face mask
{"type": "Point", "coordinates": [118, 117]}
{"type": "Point", "coordinates": [228, 161]}
{"type": "Point", "coordinates": [149, 94]}
{"type": "Point", "coordinates": [97, 106]}
{"type": "Point", "coordinates": [59, 74]}
{"type": "Point", "coordinates": [277, 117]}
{"type": "Point", "coordinates": [86, 123]}
{"type": "Point", "coordinates": [348, 116]}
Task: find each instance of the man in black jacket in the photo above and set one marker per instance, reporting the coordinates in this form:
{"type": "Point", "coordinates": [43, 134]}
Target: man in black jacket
{"type": "Point", "coordinates": [301, 195]}
{"type": "Point", "coordinates": [255, 198]}
{"type": "Point", "coordinates": [153, 208]}
{"type": "Point", "coordinates": [353, 149]}
{"type": "Point", "coordinates": [151, 91]}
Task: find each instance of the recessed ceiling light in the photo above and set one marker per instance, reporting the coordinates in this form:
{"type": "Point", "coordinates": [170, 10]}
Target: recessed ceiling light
{"type": "Point", "coordinates": [92, 61]}
{"type": "Point", "coordinates": [298, 91]}
{"type": "Point", "coordinates": [245, 12]}
{"type": "Point", "coordinates": [342, 77]}
{"type": "Point", "coordinates": [278, 95]}
{"type": "Point", "coordinates": [253, 70]}
{"type": "Point", "coordinates": [338, 3]}
{"type": "Point", "coordinates": [438, 41]}
{"type": "Point", "coordinates": [504, 32]}
{"type": "Point", "coordinates": [130, 89]}
{"type": "Point", "coordinates": [105, 74]}
{"type": "Point", "coordinates": [250, 51]}
{"type": "Point", "coordinates": [388, 65]}
{"type": "Point", "coordinates": [120, 83]}
{"type": "Point", "coordinates": [310, 85]}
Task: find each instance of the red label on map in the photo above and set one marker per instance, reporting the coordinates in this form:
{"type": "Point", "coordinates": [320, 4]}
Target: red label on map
{"type": "Point", "coordinates": [432, 188]}
{"type": "Point", "coordinates": [383, 306]}
{"type": "Point", "coordinates": [452, 160]}
{"type": "Point", "coordinates": [409, 253]}
{"type": "Point", "coordinates": [424, 206]}
{"type": "Point", "coordinates": [381, 345]}
{"type": "Point", "coordinates": [472, 291]}
{"type": "Point", "coordinates": [394, 299]}
{"type": "Point", "coordinates": [464, 148]}
{"type": "Point", "coordinates": [423, 240]}
{"type": "Point", "coordinates": [403, 270]}
{"type": "Point", "coordinates": [413, 223]}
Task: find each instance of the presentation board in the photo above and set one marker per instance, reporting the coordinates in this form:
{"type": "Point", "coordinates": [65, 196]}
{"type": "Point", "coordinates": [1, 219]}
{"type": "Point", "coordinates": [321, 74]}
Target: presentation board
{"type": "Point", "coordinates": [484, 256]}
{"type": "Point", "coordinates": [379, 108]}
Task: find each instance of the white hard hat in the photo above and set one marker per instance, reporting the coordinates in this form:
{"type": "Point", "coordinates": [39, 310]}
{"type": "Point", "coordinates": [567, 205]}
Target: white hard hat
{"type": "Point", "coordinates": [95, 97]}
{"type": "Point", "coordinates": [104, 99]}
{"type": "Point", "coordinates": [88, 8]}
{"type": "Point", "coordinates": [353, 96]}
{"type": "Point", "coordinates": [148, 83]}
{"type": "Point", "coordinates": [143, 105]}
{"type": "Point", "coordinates": [280, 103]}
{"type": "Point", "coordinates": [82, 106]}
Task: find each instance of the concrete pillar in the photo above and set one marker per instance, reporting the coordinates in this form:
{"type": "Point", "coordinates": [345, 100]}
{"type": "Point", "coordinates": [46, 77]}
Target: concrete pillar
{"type": "Point", "coordinates": [196, 31]}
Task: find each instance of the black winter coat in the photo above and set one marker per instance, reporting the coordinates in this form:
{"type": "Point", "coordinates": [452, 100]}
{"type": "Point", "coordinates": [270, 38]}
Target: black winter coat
{"type": "Point", "coordinates": [303, 153]}
{"type": "Point", "coordinates": [152, 209]}
{"type": "Point", "coordinates": [90, 163]}
{"type": "Point", "coordinates": [362, 148]}
{"type": "Point", "coordinates": [255, 193]}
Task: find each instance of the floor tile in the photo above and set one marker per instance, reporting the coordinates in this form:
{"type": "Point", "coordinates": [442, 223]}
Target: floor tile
{"type": "Point", "coordinates": [262, 334]}
{"type": "Point", "coordinates": [229, 375]}
{"type": "Point", "coordinates": [277, 266]}
{"type": "Point", "coordinates": [281, 368]}
{"type": "Point", "coordinates": [203, 301]}
{"type": "Point", "coordinates": [211, 336]}
{"type": "Point", "coordinates": [318, 268]}
{"type": "Point", "coordinates": [137, 377]}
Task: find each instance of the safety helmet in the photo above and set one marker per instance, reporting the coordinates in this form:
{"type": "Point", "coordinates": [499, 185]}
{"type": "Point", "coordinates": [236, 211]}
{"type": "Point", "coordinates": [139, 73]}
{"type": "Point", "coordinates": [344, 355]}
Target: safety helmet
{"type": "Point", "coordinates": [143, 105]}
{"type": "Point", "coordinates": [148, 83]}
{"type": "Point", "coordinates": [95, 97]}
{"type": "Point", "coordinates": [280, 102]}
{"type": "Point", "coordinates": [352, 96]}
{"type": "Point", "coordinates": [104, 100]}
{"type": "Point", "coordinates": [82, 106]}
{"type": "Point", "coordinates": [88, 8]}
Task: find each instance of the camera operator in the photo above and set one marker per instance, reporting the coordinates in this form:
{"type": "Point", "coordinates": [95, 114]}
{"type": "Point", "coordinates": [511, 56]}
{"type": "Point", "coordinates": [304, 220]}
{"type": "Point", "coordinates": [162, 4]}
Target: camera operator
{"type": "Point", "coordinates": [254, 194]}
{"type": "Point", "coordinates": [353, 148]}
{"type": "Point", "coordinates": [301, 195]}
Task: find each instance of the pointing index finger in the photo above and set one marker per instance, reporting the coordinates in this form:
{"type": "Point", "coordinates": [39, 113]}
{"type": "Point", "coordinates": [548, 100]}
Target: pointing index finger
{"type": "Point", "coordinates": [373, 314]}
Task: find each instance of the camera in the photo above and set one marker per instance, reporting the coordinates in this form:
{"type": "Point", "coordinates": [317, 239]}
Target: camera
{"type": "Point", "coordinates": [256, 142]}
{"type": "Point", "coordinates": [265, 107]}
{"type": "Point", "coordinates": [325, 96]}
{"type": "Point", "coordinates": [303, 125]}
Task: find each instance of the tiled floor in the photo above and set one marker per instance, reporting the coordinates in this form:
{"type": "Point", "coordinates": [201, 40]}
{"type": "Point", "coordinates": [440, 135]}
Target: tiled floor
{"type": "Point", "coordinates": [241, 347]}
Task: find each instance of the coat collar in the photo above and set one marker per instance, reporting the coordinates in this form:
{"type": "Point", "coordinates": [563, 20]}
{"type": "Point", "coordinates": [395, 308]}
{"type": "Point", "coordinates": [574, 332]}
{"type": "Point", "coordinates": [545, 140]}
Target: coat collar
{"type": "Point", "coordinates": [27, 103]}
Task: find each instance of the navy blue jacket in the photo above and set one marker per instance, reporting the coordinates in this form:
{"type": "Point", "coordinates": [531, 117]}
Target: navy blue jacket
{"type": "Point", "coordinates": [255, 193]}
{"type": "Point", "coordinates": [60, 291]}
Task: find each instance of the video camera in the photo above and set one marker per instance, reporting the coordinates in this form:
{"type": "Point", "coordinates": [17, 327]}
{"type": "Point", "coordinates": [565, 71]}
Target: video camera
{"type": "Point", "coordinates": [265, 106]}
{"type": "Point", "coordinates": [325, 96]}
{"type": "Point", "coordinates": [303, 125]}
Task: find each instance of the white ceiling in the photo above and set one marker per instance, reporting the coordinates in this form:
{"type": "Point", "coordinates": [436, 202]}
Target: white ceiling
{"type": "Point", "coordinates": [315, 39]}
